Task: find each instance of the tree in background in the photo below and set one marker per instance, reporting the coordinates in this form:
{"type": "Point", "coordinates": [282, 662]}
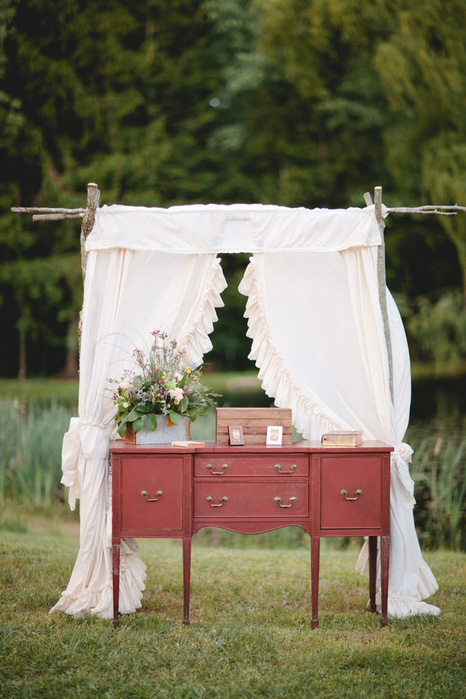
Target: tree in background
{"type": "Point", "coordinates": [292, 102]}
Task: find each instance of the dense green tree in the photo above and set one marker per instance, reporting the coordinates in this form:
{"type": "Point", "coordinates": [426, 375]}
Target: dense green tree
{"type": "Point", "coordinates": [422, 66]}
{"type": "Point", "coordinates": [293, 102]}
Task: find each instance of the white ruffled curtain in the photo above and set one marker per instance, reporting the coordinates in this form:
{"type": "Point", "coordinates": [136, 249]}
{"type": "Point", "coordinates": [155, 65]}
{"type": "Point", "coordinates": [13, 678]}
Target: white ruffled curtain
{"type": "Point", "coordinates": [127, 295]}
{"type": "Point", "coordinates": [318, 341]}
{"type": "Point", "coordinates": [319, 344]}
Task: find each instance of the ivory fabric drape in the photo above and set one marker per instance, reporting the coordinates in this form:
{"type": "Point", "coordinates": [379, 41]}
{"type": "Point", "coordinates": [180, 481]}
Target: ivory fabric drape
{"type": "Point", "coordinates": [127, 294]}
{"type": "Point", "coordinates": [318, 341]}
{"type": "Point", "coordinates": [317, 331]}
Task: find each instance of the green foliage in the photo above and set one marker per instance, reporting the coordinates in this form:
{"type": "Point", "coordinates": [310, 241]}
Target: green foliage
{"type": "Point", "coordinates": [422, 66]}
{"type": "Point", "coordinates": [439, 474]}
{"type": "Point", "coordinates": [439, 329]}
{"type": "Point", "coordinates": [30, 452]}
{"type": "Point", "coordinates": [293, 102]}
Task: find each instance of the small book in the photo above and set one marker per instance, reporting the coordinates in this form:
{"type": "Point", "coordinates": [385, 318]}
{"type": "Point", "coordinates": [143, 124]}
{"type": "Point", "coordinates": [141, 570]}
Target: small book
{"type": "Point", "coordinates": [350, 438]}
{"type": "Point", "coordinates": [187, 443]}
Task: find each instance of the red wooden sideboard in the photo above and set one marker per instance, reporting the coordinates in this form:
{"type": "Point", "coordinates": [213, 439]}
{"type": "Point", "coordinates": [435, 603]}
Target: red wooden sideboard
{"type": "Point", "coordinates": [164, 491]}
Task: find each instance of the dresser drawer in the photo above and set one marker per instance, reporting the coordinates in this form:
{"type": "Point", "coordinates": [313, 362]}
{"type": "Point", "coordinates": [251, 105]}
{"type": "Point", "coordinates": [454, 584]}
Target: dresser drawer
{"type": "Point", "coordinates": [285, 466]}
{"type": "Point", "coordinates": [230, 499]}
{"type": "Point", "coordinates": [351, 492]}
{"type": "Point", "coordinates": [151, 493]}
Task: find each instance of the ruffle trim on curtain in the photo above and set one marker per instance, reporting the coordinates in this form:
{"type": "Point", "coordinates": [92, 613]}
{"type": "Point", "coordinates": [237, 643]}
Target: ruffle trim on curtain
{"type": "Point", "coordinates": [99, 601]}
{"type": "Point", "coordinates": [400, 606]}
{"type": "Point", "coordinates": [424, 582]}
{"type": "Point", "coordinates": [196, 342]}
{"type": "Point", "coordinates": [277, 381]}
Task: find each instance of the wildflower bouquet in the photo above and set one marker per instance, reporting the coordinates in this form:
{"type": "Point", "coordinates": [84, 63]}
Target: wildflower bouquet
{"type": "Point", "coordinates": [163, 385]}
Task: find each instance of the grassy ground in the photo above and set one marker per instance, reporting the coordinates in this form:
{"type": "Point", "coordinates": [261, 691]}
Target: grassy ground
{"type": "Point", "coordinates": [249, 635]}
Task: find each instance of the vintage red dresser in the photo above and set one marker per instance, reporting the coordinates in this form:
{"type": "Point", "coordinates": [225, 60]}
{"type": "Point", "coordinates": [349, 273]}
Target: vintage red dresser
{"type": "Point", "coordinates": [164, 491]}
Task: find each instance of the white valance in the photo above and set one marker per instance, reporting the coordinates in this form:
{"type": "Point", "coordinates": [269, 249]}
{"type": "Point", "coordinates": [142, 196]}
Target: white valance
{"type": "Point", "coordinates": [235, 228]}
{"type": "Point", "coordinates": [315, 320]}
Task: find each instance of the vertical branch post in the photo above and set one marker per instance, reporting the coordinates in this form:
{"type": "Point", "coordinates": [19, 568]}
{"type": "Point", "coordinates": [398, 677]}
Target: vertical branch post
{"type": "Point", "coordinates": [382, 285]}
{"type": "Point", "coordinates": [93, 201]}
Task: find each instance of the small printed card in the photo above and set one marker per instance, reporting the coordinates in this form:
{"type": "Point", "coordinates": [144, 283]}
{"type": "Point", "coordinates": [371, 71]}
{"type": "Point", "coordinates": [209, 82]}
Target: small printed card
{"type": "Point", "coordinates": [236, 435]}
{"type": "Point", "coordinates": [274, 435]}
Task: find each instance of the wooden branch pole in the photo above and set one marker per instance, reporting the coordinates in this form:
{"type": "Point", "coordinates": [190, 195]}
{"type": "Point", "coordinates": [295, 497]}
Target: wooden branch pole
{"type": "Point", "coordinates": [44, 210]}
{"type": "Point", "coordinates": [382, 285]}
{"type": "Point", "coordinates": [55, 217]}
{"type": "Point", "coordinates": [93, 201]}
{"type": "Point", "coordinates": [428, 209]}
{"type": "Point", "coordinates": [368, 198]}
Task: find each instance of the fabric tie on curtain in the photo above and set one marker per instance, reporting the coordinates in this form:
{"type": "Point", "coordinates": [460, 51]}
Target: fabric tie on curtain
{"type": "Point", "coordinates": [127, 295]}
{"type": "Point", "coordinates": [315, 321]}
{"type": "Point", "coordinates": [89, 438]}
{"type": "Point", "coordinates": [318, 342]}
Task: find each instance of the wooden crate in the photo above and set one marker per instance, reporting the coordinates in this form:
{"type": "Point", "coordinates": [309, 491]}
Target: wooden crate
{"type": "Point", "coordinates": [254, 422]}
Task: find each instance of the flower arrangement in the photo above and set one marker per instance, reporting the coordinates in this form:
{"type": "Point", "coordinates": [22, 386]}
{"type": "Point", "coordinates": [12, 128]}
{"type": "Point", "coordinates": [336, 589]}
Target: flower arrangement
{"type": "Point", "coordinates": [163, 385]}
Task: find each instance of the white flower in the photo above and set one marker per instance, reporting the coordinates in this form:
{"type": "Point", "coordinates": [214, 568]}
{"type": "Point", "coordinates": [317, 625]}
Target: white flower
{"type": "Point", "coordinates": [178, 376]}
{"type": "Point", "coordinates": [125, 384]}
{"type": "Point", "coordinates": [177, 394]}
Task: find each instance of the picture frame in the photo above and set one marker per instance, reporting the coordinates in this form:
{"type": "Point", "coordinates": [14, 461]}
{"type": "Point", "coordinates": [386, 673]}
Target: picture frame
{"type": "Point", "coordinates": [236, 435]}
{"type": "Point", "coordinates": [274, 436]}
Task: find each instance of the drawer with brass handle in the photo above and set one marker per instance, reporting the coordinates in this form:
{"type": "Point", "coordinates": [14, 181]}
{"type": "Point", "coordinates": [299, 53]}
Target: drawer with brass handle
{"type": "Point", "coordinates": [219, 465]}
{"type": "Point", "coordinates": [268, 499]}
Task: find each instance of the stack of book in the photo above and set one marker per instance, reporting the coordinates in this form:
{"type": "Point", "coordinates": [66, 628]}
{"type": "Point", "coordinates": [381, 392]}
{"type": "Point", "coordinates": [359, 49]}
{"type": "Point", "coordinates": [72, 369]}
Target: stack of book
{"type": "Point", "coordinates": [351, 438]}
{"type": "Point", "coordinates": [187, 443]}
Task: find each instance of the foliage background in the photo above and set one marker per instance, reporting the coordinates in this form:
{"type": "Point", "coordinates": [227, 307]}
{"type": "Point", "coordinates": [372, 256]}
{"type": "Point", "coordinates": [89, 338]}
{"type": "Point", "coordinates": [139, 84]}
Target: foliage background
{"type": "Point", "coordinates": [291, 102]}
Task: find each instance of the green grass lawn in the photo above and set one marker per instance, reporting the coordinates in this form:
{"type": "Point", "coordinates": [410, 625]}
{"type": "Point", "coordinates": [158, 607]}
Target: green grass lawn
{"type": "Point", "coordinates": [250, 630]}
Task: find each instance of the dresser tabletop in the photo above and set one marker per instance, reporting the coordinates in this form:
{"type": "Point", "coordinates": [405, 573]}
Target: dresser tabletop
{"type": "Point", "coordinates": [120, 447]}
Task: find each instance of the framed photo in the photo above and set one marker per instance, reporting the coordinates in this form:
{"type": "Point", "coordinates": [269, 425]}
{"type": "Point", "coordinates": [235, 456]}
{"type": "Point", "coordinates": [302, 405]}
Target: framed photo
{"type": "Point", "coordinates": [274, 435]}
{"type": "Point", "coordinates": [236, 435]}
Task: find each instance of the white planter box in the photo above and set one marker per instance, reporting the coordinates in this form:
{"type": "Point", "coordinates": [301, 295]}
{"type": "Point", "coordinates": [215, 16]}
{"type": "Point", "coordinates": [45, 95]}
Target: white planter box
{"type": "Point", "coordinates": [165, 433]}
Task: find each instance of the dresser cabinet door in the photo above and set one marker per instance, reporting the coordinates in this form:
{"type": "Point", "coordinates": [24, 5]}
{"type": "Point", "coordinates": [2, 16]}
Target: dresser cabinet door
{"type": "Point", "coordinates": [351, 492]}
{"type": "Point", "coordinates": [151, 493]}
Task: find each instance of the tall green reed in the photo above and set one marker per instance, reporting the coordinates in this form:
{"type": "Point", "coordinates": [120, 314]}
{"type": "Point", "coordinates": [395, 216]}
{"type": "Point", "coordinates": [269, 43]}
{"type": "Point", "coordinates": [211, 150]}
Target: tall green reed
{"type": "Point", "coordinates": [440, 483]}
{"type": "Point", "coordinates": [30, 471]}
{"type": "Point", "coordinates": [30, 451]}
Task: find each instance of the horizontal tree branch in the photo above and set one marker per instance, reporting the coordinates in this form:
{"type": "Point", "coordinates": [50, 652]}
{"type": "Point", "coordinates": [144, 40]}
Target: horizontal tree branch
{"type": "Point", "coordinates": [55, 217]}
{"type": "Point", "coordinates": [44, 210]}
{"type": "Point", "coordinates": [427, 209]}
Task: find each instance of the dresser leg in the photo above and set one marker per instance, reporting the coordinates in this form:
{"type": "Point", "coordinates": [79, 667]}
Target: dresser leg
{"type": "Point", "coordinates": [372, 571]}
{"type": "Point", "coordinates": [385, 557]}
{"type": "Point", "coordinates": [186, 579]}
{"type": "Point", "coordinates": [315, 560]}
{"type": "Point", "coordinates": [116, 581]}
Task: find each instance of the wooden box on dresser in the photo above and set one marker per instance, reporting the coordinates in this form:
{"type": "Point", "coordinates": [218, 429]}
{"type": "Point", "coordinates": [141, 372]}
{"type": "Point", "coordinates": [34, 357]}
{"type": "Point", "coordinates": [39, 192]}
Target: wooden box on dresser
{"type": "Point", "coordinates": [163, 491]}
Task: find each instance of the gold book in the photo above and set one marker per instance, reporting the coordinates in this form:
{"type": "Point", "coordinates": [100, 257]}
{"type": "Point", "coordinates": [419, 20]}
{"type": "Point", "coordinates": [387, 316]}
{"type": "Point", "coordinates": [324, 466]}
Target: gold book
{"type": "Point", "coordinates": [342, 439]}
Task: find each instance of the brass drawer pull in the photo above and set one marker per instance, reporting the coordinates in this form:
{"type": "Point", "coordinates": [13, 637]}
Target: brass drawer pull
{"type": "Point", "coordinates": [219, 504]}
{"type": "Point", "coordinates": [293, 467]}
{"type": "Point", "coordinates": [145, 494]}
{"type": "Point", "coordinates": [218, 473]}
{"type": "Point", "coordinates": [292, 501]}
{"type": "Point", "coordinates": [345, 495]}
